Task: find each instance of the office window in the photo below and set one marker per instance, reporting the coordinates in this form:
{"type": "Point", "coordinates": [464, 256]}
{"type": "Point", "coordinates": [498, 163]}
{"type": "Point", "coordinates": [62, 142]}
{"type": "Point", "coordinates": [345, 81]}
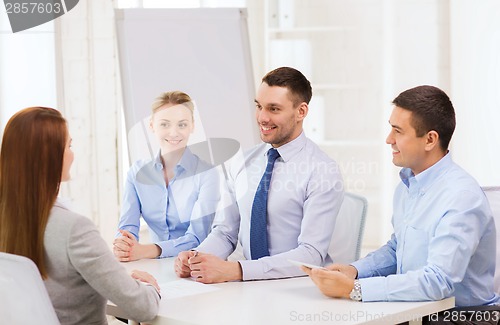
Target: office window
{"type": "Point", "coordinates": [27, 65]}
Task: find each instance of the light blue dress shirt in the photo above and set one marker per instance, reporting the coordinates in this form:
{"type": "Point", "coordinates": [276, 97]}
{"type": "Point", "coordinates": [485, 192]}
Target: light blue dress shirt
{"type": "Point", "coordinates": [305, 195]}
{"type": "Point", "coordinates": [179, 215]}
{"type": "Point", "coordinates": [443, 243]}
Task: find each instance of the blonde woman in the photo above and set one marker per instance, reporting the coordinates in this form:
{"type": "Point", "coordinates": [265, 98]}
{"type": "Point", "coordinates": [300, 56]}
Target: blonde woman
{"type": "Point", "coordinates": [176, 193]}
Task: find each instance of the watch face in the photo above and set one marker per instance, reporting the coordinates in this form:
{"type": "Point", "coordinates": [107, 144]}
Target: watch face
{"type": "Point", "coordinates": [355, 296]}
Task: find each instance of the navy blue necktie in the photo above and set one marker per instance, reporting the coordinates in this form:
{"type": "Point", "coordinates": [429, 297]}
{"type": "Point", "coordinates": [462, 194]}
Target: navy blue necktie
{"type": "Point", "coordinates": [258, 223]}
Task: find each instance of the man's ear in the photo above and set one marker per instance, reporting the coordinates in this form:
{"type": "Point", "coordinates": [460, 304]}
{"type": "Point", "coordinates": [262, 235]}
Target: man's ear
{"type": "Point", "coordinates": [432, 140]}
{"type": "Point", "coordinates": [302, 111]}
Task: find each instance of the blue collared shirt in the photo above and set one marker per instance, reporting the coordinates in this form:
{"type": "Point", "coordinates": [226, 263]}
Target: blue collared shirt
{"type": "Point", "coordinates": [305, 195]}
{"type": "Point", "coordinates": [179, 215]}
{"type": "Point", "coordinates": [443, 243]}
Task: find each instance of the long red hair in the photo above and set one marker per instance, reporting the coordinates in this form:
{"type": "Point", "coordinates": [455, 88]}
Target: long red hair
{"type": "Point", "coordinates": [31, 162]}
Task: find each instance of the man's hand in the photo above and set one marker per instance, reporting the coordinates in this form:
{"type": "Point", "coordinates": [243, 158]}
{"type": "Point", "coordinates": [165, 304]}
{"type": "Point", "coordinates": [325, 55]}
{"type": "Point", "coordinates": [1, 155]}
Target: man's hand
{"type": "Point", "coordinates": [350, 271]}
{"type": "Point", "coordinates": [207, 268]}
{"type": "Point", "coordinates": [332, 282]}
{"type": "Point", "coordinates": [181, 265]}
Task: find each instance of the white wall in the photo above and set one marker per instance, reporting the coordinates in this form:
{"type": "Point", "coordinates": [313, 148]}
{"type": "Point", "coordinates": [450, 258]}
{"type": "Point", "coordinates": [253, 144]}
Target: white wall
{"type": "Point", "coordinates": [90, 96]}
{"type": "Point", "coordinates": [475, 87]}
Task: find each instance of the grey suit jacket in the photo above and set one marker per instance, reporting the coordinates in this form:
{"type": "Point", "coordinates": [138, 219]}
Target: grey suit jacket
{"type": "Point", "coordinates": [83, 274]}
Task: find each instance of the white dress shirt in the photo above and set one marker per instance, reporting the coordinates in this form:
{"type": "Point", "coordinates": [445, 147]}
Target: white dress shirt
{"type": "Point", "coordinates": [305, 195]}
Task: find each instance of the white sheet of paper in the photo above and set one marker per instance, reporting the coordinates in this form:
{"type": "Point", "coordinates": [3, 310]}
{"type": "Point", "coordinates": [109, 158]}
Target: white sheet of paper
{"type": "Point", "coordinates": [184, 287]}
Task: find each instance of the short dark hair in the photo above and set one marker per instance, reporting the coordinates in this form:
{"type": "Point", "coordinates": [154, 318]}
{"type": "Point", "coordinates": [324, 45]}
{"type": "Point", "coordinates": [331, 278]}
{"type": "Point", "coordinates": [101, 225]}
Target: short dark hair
{"type": "Point", "coordinates": [432, 110]}
{"type": "Point", "coordinates": [296, 83]}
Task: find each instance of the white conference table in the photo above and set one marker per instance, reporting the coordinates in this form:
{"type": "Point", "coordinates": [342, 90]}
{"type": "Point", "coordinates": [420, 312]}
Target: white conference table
{"type": "Point", "coordinates": [282, 301]}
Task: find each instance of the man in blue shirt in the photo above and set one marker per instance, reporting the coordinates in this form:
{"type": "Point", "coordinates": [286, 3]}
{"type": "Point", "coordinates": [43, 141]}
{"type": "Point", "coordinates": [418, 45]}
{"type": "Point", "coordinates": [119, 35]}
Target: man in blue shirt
{"type": "Point", "coordinates": [443, 243]}
{"type": "Point", "coordinates": [305, 194]}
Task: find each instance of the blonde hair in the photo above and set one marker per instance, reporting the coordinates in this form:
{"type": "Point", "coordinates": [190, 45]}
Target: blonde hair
{"type": "Point", "coordinates": [175, 98]}
{"type": "Point", "coordinates": [31, 163]}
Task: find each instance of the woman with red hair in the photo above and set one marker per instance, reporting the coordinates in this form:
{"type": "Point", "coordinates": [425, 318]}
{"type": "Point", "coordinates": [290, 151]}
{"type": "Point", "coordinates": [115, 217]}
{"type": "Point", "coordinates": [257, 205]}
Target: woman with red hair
{"type": "Point", "coordinates": [79, 270]}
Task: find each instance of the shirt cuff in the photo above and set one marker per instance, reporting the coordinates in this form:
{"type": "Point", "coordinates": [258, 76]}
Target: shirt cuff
{"type": "Point", "coordinates": [164, 247]}
{"type": "Point", "coordinates": [251, 269]}
{"type": "Point", "coordinates": [374, 289]}
{"type": "Point", "coordinates": [364, 270]}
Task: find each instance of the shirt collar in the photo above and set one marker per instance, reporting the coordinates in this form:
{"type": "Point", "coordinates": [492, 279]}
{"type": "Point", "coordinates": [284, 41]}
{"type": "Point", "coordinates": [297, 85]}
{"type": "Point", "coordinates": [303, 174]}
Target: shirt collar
{"type": "Point", "coordinates": [187, 162]}
{"type": "Point", "coordinates": [290, 149]}
{"type": "Point", "coordinates": [426, 178]}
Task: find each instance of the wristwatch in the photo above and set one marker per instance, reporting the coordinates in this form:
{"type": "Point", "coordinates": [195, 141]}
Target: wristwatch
{"type": "Point", "coordinates": [356, 292]}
